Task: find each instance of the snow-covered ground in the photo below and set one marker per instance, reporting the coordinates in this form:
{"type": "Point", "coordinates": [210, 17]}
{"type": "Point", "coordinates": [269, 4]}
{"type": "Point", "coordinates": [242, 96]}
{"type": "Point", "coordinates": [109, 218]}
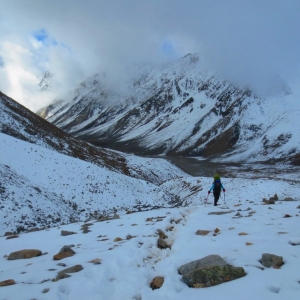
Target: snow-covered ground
{"type": "Point", "coordinates": [129, 265]}
{"type": "Point", "coordinates": [44, 178]}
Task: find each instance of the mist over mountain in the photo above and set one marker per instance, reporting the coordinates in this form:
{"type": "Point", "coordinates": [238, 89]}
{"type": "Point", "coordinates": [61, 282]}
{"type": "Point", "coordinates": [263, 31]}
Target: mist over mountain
{"type": "Point", "coordinates": [180, 109]}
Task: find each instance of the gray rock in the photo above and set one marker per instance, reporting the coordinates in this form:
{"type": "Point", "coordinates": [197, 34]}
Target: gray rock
{"type": "Point", "coordinates": [65, 273]}
{"type": "Point", "coordinates": [67, 249]}
{"type": "Point", "coordinates": [214, 275]}
{"type": "Point", "coordinates": [208, 271]}
{"type": "Point", "coordinates": [271, 260]}
{"type": "Point", "coordinates": [65, 232]}
{"type": "Point", "coordinates": [162, 244]}
{"type": "Point", "coordinates": [207, 261]}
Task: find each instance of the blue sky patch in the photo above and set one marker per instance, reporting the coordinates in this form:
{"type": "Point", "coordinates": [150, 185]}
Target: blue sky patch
{"type": "Point", "coordinates": [43, 37]}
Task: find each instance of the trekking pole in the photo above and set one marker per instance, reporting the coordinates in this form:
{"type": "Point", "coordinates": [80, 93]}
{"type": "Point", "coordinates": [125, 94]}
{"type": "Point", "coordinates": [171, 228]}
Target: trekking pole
{"type": "Point", "coordinates": [205, 202]}
{"type": "Point", "coordinates": [224, 198]}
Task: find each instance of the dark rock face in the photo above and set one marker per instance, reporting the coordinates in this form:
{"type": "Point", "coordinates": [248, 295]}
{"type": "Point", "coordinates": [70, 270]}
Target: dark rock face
{"type": "Point", "coordinates": [209, 271]}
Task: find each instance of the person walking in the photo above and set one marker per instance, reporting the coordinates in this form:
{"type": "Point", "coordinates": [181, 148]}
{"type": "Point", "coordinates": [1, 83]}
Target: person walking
{"type": "Point", "coordinates": [216, 187]}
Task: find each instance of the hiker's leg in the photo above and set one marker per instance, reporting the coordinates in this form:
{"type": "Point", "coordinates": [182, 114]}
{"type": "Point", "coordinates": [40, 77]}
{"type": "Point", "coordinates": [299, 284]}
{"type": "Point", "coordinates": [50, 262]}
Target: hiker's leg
{"type": "Point", "coordinates": [217, 196]}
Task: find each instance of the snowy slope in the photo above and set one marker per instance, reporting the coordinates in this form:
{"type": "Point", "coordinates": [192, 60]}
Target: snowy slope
{"type": "Point", "coordinates": [129, 265]}
{"type": "Point", "coordinates": [42, 188]}
{"type": "Point", "coordinates": [178, 109]}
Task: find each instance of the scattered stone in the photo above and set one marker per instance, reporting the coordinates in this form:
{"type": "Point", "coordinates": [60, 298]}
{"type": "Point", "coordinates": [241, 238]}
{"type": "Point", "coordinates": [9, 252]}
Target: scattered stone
{"type": "Point", "coordinates": [170, 228]}
{"type": "Point", "coordinates": [61, 264]}
{"type": "Point", "coordinates": [249, 244]}
{"type": "Point", "coordinates": [287, 216]}
{"type": "Point", "coordinates": [209, 271]}
{"type": "Point", "coordinates": [8, 233]}
{"type": "Point", "coordinates": [271, 260]}
{"type": "Point", "coordinates": [298, 207]}
{"type": "Point", "coordinates": [221, 212]}
{"type": "Point", "coordinates": [134, 224]}
{"type": "Point", "coordinates": [202, 232]}
{"type": "Point", "coordinates": [62, 255]}
{"type": "Point", "coordinates": [45, 291]}
{"type": "Point", "coordinates": [217, 230]}
{"type": "Point", "coordinates": [64, 252]}
{"type": "Point", "coordinates": [243, 233]}
{"type": "Point", "coordinates": [149, 219]}
{"type": "Point", "coordinates": [161, 234]}
{"type": "Point", "coordinates": [282, 232]}
{"type": "Point", "coordinates": [162, 244]}
{"type": "Point", "coordinates": [7, 282]}
{"type": "Point", "coordinates": [294, 243]}
{"type": "Point", "coordinates": [237, 215]}
{"type": "Point", "coordinates": [24, 254]}
{"type": "Point", "coordinates": [288, 199]}
{"type": "Point", "coordinates": [118, 239]}
{"type": "Point", "coordinates": [65, 232]}
{"type": "Point", "coordinates": [65, 273]}
{"type": "Point", "coordinates": [157, 282]}
{"type": "Point", "coordinates": [95, 261]}
{"type": "Point", "coordinates": [231, 228]}
{"type": "Point", "coordinates": [12, 237]}
{"type": "Point", "coordinates": [33, 229]}
{"type": "Point", "coordinates": [271, 200]}
{"type": "Point", "coordinates": [129, 236]}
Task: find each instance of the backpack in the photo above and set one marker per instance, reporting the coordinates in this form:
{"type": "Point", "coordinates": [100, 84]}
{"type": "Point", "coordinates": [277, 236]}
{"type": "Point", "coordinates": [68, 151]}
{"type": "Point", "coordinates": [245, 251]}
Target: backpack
{"type": "Point", "coordinates": [217, 182]}
{"type": "Point", "coordinates": [217, 177]}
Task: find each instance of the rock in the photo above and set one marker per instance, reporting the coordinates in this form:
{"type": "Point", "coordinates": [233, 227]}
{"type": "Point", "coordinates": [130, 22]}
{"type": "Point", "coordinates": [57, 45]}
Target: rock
{"type": "Point", "coordinates": [271, 260]}
{"type": "Point", "coordinates": [7, 282]}
{"type": "Point", "coordinates": [24, 254]}
{"type": "Point", "coordinates": [95, 261]}
{"type": "Point", "coordinates": [64, 252]}
{"type": "Point", "coordinates": [8, 233]}
{"type": "Point", "coordinates": [62, 255]}
{"type": "Point", "coordinates": [288, 199]}
{"type": "Point", "coordinates": [221, 212]}
{"type": "Point", "coordinates": [161, 234]}
{"type": "Point", "coordinates": [65, 273]}
{"type": "Point", "coordinates": [208, 271]}
{"type": "Point", "coordinates": [162, 244]}
{"type": "Point", "coordinates": [65, 232]}
{"type": "Point", "coordinates": [217, 230]}
{"type": "Point", "coordinates": [287, 216]}
{"type": "Point", "coordinates": [243, 233]}
{"type": "Point", "coordinates": [157, 282]}
{"type": "Point", "coordinates": [249, 244]}
{"type": "Point", "coordinates": [12, 237]}
{"type": "Point", "coordinates": [118, 239]}
{"type": "Point", "coordinates": [210, 260]}
{"type": "Point", "coordinates": [202, 232]}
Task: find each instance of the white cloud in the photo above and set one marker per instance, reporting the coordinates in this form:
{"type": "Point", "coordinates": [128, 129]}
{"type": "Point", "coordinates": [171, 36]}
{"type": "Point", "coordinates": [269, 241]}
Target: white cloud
{"type": "Point", "coordinates": [246, 41]}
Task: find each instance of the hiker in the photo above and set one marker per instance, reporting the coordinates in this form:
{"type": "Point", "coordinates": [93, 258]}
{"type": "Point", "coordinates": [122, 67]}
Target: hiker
{"type": "Point", "coordinates": [216, 187]}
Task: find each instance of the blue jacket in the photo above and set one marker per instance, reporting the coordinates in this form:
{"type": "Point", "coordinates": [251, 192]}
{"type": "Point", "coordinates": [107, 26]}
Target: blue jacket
{"type": "Point", "coordinates": [213, 185]}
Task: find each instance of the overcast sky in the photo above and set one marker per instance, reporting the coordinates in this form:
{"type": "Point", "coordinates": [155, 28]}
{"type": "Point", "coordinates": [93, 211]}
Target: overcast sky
{"type": "Point", "coordinates": [246, 41]}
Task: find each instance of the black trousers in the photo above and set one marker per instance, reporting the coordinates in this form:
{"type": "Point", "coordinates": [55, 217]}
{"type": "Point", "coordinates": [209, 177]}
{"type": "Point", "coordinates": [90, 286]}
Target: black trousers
{"type": "Point", "coordinates": [216, 196]}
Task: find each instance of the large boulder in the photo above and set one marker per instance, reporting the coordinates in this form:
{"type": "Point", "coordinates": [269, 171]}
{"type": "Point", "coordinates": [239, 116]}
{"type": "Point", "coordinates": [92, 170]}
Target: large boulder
{"type": "Point", "coordinates": [209, 271]}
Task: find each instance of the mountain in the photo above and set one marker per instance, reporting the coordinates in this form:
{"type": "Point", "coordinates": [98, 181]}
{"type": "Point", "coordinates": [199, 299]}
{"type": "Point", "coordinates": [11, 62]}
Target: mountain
{"type": "Point", "coordinates": [49, 178]}
{"type": "Point", "coordinates": [177, 109]}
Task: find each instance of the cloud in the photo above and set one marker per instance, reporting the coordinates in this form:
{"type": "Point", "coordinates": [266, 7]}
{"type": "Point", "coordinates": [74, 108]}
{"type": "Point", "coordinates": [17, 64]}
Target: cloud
{"type": "Point", "coordinates": [248, 42]}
